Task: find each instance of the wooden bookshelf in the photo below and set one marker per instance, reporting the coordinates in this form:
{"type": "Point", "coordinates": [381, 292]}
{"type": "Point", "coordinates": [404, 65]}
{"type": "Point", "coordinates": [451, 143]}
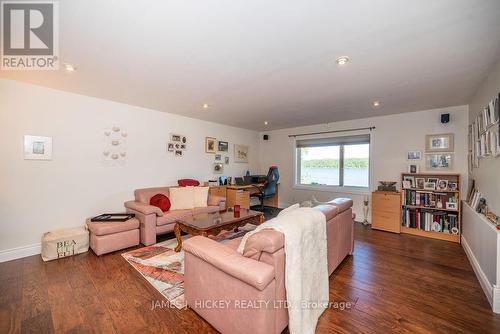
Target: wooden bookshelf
{"type": "Point", "coordinates": [417, 202]}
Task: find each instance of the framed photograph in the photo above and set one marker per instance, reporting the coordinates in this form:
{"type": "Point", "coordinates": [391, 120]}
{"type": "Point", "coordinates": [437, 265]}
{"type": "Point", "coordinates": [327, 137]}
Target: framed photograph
{"type": "Point", "coordinates": [184, 140]}
{"type": "Point", "coordinates": [178, 153]}
{"type": "Point", "coordinates": [429, 186]}
{"type": "Point", "coordinates": [452, 186]}
{"type": "Point", "coordinates": [432, 179]}
{"type": "Point", "coordinates": [175, 137]}
{"type": "Point", "coordinates": [210, 145]}
{"type": "Point", "coordinates": [218, 168]}
{"type": "Point", "coordinates": [183, 147]}
{"type": "Point", "coordinates": [420, 182]}
{"type": "Point", "coordinates": [495, 142]}
{"type": "Point", "coordinates": [439, 143]}
{"type": "Point", "coordinates": [413, 155]}
{"type": "Point", "coordinates": [37, 148]}
{"type": "Point", "coordinates": [410, 179]}
{"type": "Point", "coordinates": [406, 184]}
{"type": "Point", "coordinates": [443, 161]}
{"type": "Point", "coordinates": [477, 154]}
{"type": "Point", "coordinates": [480, 123]}
{"type": "Point", "coordinates": [442, 185]}
{"type": "Point", "coordinates": [240, 153]}
{"type": "Point", "coordinates": [177, 145]}
{"type": "Point", "coordinates": [487, 117]}
{"type": "Point", "coordinates": [170, 147]}
{"type": "Point", "coordinates": [223, 146]}
{"type": "Point", "coordinates": [226, 160]}
{"type": "Point", "coordinates": [218, 157]}
{"type": "Point", "coordinates": [451, 206]}
{"type": "Point", "coordinates": [413, 169]}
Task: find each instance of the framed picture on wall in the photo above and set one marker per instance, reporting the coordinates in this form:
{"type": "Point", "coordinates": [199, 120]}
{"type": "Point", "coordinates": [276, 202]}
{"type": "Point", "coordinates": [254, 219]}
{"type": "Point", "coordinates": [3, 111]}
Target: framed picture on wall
{"type": "Point", "coordinates": [442, 161]}
{"type": "Point", "coordinates": [439, 143]}
{"type": "Point", "coordinates": [210, 145]}
{"type": "Point", "coordinates": [240, 153]}
{"type": "Point", "coordinates": [223, 146]}
{"type": "Point", "coordinates": [413, 156]}
{"type": "Point", "coordinates": [37, 148]}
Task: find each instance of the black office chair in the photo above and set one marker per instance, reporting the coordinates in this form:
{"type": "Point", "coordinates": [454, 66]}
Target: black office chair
{"type": "Point", "coordinates": [269, 188]}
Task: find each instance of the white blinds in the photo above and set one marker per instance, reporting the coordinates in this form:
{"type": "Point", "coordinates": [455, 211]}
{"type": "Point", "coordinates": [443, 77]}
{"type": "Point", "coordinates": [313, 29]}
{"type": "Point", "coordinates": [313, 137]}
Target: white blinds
{"type": "Point", "coordinates": [318, 142]}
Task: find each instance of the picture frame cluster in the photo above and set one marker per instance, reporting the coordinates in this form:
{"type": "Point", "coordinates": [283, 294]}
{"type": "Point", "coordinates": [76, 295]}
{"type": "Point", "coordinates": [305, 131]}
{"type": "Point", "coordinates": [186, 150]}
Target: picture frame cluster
{"type": "Point", "coordinates": [484, 134]}
{"type": "Point", "coordinates": [177, 145]}
{"type": "Point", "coordinates": [219, 148]}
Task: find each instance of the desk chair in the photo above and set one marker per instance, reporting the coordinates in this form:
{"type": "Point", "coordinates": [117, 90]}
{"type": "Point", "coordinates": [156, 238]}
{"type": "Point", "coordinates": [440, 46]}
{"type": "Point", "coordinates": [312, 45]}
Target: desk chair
{"type": "Point", "coordinates": [268, 189]}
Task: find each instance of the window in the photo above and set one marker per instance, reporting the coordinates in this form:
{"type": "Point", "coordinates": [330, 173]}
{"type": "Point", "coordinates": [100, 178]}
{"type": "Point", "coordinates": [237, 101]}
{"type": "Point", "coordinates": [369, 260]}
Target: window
{"type": "Point", "coordinates": [338, 161]}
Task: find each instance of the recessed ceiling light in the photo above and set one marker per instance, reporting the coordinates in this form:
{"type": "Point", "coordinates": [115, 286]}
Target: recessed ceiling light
{"type": "Point", "coordinates": [205, 106]}
{"type": "Point", "coordinates": [342, 60]}
{"type": "Point", "coordinates": [69, 68]}
{"type": "Point", "coordinates": [266, 122]}
{"type": "Point", "coordinates": [376, 104]}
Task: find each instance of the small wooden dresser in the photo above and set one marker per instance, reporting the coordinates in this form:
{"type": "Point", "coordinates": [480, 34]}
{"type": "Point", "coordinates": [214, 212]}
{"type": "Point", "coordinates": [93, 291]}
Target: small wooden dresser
{"type": "Point", "coordinates": [386, 211]}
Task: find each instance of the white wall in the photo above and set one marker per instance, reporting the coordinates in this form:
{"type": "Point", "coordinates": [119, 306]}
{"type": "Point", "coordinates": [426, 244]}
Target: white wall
{"type": "Point", "coordinates": [39, 196]}
{"type": "Point", "coordinates": [393, 137]}
{"type": "Point", "coordinates": [486, 176]}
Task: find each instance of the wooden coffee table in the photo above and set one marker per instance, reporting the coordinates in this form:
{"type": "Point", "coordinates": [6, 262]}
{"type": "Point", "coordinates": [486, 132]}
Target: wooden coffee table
{"type": "Point", "coordinates": [213, 223]}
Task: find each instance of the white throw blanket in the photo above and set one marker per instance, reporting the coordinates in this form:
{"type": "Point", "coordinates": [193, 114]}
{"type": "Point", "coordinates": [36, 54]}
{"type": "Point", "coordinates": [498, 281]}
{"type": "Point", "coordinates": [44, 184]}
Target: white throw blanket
{"type": "Point", "coordinates": [306, 267]}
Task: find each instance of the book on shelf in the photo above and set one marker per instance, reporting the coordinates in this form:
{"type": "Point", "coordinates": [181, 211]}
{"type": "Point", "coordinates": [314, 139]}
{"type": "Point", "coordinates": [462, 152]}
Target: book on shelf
{"type": "Point", "coordinates": [431, 200]}
{"type": "Point", "coordinates": [425, 220]}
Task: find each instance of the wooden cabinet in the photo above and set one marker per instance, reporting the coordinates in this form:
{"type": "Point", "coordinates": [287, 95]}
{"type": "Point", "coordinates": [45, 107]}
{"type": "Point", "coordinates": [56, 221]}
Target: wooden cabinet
{"type": "Point", "coordinates": [386, 211]}
{"type": "Point", "coordinates": [238, 196]}
{"type": "Point", "coordinates": [218, 191]}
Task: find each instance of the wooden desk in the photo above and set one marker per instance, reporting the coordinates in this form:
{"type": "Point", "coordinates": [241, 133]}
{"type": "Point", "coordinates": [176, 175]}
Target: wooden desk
{"type": "Point", "coordinates": [241, 195]}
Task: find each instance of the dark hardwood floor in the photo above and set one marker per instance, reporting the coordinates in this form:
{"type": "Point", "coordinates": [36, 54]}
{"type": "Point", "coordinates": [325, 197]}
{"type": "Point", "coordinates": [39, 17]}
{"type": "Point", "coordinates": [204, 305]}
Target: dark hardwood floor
{"type": "Point", "coordinates": [396, 283]}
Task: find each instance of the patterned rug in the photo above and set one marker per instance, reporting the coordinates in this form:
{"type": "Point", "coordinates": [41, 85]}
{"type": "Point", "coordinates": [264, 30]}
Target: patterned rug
{"type": "Point", "coordinates": [163, 268]}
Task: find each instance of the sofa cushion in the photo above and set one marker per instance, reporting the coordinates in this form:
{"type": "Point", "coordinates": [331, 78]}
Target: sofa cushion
{"type": "Point", "coordinates": [144, 195]}
{"type": "Point", "coordinates": [330, 211]}
{"type": "Point", "coordinates": [200, 196]}
{"type": "Point", "coordinates": [171, 216]}
{"type": "Point", "coordinates": [160, 201]}
{"type": "Point", "coordinates": [188, 182]}
{"type": "Point", "coordinates": [181, 198]}
{"type": "Point", "coordinates": [100, 228]}
{"type": "Point", "coordinates": [342, 203]}
{"type": "Point", "coordinates": [266, 240]}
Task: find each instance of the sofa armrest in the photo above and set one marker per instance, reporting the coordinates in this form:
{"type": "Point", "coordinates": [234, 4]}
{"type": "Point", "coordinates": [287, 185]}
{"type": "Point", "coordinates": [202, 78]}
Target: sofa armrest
{"type": "Point", "coordinates": [252, 272]}
{"type": "Point", "coordinates": [216, 200]}
{"type": "Point", "coordinates": [143, 208]}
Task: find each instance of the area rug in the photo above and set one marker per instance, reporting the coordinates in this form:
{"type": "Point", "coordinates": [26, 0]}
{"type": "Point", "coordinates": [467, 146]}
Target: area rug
{"type": "Point", "coordinates": [163, 268]}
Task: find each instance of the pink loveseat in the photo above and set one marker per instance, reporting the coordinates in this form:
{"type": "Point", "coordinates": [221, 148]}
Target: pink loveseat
{"type": "Point", "coordinates": [153, 221]}
{"type": "Point", "coordinates": [249, 289]}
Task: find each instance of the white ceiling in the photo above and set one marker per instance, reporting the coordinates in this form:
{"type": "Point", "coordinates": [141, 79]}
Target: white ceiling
{"type": "Point", "coordinates": [274, 60]}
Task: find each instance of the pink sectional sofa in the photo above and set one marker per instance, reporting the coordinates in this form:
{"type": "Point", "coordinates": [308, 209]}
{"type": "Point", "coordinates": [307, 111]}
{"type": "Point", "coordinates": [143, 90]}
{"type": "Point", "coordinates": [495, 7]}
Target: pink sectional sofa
{"type": "Point", "coordinates": [153, 221]}
{"type": "Point", "coordinates": [217, 272]}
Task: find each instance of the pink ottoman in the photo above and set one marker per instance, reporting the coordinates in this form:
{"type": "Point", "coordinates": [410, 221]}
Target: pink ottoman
{"type": "Point", "coordinates": [113, 236]}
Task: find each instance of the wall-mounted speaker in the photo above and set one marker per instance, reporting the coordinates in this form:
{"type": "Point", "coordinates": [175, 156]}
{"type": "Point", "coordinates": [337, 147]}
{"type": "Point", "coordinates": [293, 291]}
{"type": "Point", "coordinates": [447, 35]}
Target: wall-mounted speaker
{"type": "Point", "coordinates": [445, 118]}
{"type": "Point", "coordinates": [265, 137]}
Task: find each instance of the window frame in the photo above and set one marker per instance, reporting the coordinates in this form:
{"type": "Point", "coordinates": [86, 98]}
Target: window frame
{"type": "Point", "coordinates": [333, 188]}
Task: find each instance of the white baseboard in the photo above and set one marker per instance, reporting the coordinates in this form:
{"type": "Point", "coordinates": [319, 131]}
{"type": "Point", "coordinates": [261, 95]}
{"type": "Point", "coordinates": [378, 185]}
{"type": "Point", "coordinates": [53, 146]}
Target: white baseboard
{"type": "Point", "coordinates": [491, 291]}
{"type": "Point", "coordinates": [20, 252]}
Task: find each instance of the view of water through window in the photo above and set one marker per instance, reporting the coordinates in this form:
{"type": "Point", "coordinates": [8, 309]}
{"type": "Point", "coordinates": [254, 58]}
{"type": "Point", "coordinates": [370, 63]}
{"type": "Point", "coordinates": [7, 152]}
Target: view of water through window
{"type": "Point", "coordinates": [320, 165]}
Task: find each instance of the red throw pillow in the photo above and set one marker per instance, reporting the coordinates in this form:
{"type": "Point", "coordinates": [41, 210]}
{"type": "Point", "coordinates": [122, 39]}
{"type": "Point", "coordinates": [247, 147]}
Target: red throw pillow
{"type": "Point", "coordinates": [160, 201]}
{"type": "Point", "coordinates": [188, 183]}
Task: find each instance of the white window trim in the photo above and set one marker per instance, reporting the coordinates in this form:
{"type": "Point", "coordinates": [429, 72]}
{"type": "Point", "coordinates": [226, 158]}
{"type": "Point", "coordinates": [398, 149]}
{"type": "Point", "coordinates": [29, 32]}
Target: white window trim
{"type": "Point", "coordinates": [333, 189]}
